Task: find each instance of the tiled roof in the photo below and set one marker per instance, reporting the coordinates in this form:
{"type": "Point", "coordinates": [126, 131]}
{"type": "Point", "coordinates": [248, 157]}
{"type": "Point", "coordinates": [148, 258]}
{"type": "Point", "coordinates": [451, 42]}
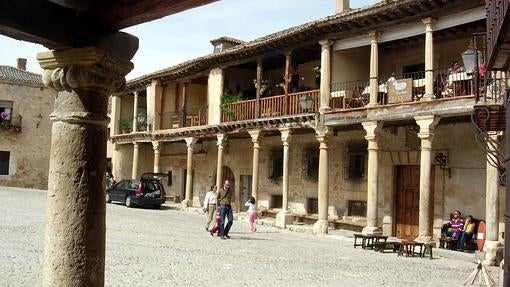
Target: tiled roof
{"type": "Point", "coordinates": [11, 74]}
{"type": "Point", "coordinates": [227, 39]}
{"type": "Point", "coordinates": [365, 18]}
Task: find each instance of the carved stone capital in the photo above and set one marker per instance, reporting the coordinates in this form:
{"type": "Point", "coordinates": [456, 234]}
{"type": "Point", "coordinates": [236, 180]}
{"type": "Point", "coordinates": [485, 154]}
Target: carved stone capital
{"type": "Point", "coordinates": [83, 69]}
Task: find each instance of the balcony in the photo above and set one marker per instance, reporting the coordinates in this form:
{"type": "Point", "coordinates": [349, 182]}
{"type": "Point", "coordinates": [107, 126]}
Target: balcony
{"type": "Point", "coordinates": [275, 106]}
{"type": "Point", "coordinates": [11, 125]}
{"type": "Point", "coordinates": [191, 117]}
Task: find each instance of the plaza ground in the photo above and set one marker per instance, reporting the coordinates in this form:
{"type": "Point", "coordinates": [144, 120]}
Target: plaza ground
{"type": "Point", "coordinates": [167, 247]}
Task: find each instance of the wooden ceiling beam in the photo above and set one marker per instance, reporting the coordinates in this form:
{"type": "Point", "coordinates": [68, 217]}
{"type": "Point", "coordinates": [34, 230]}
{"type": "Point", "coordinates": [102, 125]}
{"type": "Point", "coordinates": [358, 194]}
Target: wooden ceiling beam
{"type": "Point", "coordinates": [49, 24]}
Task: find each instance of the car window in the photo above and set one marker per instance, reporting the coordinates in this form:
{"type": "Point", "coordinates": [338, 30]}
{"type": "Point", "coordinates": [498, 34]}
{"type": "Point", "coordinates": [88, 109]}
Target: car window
{"type": "Point", "coordinates": [134, 184]}
{"type": "Point", "coordinates": [151, 186]}
{"type": "Point", "coordinates": [123, 184]}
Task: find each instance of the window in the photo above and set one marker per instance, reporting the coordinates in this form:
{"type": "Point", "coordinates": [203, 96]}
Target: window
{"type": "Point", "coordinates": [4, 162]}
{"type": "Point", "coordinates": [312, 206]}
{"type": "Point", "coordinates": [312, 163]}
{"type": "Point", "coordinates": [218, 48]}
{"type": "Point", "coordinates": [276, 167]}
{"type": "Point", "coordinates": [5, 112]}
{"type": "Point", "coordinates": [276, 201]}
{"type": "Point", "coordinates": [356, 157]}
{"type": "Point", "coordinates": [357, 208]}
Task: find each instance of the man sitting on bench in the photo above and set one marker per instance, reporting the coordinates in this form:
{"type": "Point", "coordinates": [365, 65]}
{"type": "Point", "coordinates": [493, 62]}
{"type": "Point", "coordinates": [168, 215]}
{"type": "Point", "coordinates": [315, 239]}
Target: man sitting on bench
{"type": "Point", "coordinates": [452, 229]}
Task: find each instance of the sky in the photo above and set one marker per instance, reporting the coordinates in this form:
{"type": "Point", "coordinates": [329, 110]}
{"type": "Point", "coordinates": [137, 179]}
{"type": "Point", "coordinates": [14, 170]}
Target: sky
{"type": "Point", "coordinates": [180, 37]}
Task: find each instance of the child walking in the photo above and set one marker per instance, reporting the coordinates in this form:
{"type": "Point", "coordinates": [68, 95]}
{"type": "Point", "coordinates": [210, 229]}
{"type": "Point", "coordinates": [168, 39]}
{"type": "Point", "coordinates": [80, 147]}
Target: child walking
{"type": "Point", "coordinates": [252, 214]}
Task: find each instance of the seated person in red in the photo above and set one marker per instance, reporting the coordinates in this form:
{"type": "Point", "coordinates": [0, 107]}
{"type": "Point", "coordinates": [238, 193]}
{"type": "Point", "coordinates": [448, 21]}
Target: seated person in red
{"type": "Point", "coordinates": [453, 228]}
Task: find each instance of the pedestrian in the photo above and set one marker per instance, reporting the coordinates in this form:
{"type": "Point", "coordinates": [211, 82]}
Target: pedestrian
{"type": "Point", "coordinates": [252, 214]}
{"type": "Point", "coordinates": [224, 200]}
{"type": "Point", "coordinates": [210, 205]}
{"type": "Point", "coordinates": [217, 223]}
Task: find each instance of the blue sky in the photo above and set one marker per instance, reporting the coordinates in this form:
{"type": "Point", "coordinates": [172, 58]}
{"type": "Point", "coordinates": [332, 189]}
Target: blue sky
{"type": "Point", "coordinates": [183, 36]}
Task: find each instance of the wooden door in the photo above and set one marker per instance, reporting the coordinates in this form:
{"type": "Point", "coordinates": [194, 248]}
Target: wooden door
{"type": "Point", "coordinates": [407, 201]}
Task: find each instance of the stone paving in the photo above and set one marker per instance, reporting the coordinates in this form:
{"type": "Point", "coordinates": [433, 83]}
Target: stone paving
{"type": "Point", "coordinates": [167, 247]}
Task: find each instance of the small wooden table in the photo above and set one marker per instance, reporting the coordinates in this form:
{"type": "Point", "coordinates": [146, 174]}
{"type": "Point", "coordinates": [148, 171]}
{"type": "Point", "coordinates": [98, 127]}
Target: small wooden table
{"type": "Point", "coordinates": [368, 240]}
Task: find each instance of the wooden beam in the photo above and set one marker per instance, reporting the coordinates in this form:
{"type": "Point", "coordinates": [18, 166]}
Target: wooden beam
{"type": "Point", "coordinates": [119, 14]}
{"type": "Point", "coordinates": [46, 23]}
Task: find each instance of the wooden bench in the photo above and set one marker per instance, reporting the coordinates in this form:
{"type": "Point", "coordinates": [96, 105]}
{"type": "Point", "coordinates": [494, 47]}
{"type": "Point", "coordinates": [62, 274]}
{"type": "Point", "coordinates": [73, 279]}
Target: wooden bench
{"type": "Point", "coordinates": [369, 240]}
{"type": "Point", "coordinates": [387, 245]}
{"type": "Point", "coordinates": [448, 242]}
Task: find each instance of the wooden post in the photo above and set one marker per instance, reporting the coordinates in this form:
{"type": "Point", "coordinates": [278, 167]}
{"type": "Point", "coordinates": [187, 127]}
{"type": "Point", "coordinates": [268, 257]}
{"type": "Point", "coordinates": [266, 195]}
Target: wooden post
{"type": "Point", "coordinates": [287, 77]}
{"type": "Point", "coordinates": [259, 80]}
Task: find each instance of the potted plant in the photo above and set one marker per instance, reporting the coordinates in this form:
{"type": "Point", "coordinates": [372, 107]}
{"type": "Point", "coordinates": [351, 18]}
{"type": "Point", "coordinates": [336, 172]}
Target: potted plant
{"type": "Point", "coordinates": [228, 98]}
{"type": "Point", "coordinates": [125, 125]}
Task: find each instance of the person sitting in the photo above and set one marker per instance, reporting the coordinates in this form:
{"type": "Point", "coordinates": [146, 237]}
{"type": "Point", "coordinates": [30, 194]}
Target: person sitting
{"type": "Point", "coordinates": [455, 68]}
{"type": "Point", "coordinates": [392, 78]}
{"type": "Point", "coordinates": [454, 228]}
{"type": "Point", "coordinates": [467, 232]}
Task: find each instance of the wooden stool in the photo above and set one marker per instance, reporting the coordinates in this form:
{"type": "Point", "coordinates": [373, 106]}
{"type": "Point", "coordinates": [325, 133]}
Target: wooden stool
{"type": "Point", "coordinates": [427, 247]}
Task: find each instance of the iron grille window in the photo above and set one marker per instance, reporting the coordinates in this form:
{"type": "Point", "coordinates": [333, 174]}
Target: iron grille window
{"type": "Point", "coordinates": [276, 201]}
{"type": "Point", "coordinates": [312, 163]}
{"type": "Point", "coordinates": [312, 206]}
{"type": "Point", "coordinates": [4, 162]}
{"type": "Point", "coordinates": [276, 168]}
{"type": "Point", "coordinates": [356, 157]}
{"type": "Point", "coordinates": [357, 208]}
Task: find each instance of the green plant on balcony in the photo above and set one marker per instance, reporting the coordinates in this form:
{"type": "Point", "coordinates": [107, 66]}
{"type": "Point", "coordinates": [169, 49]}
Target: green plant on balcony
{"type": "Point", "coordinates": [228, 98]}
{"type": "Point", "coordinates": [7, 125]}
{"type": "Point", "coordinates": [125, 125]}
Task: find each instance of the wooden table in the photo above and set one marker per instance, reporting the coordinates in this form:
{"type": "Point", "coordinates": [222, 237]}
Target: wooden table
{"type": "Point", "coordinates": [369, 240]}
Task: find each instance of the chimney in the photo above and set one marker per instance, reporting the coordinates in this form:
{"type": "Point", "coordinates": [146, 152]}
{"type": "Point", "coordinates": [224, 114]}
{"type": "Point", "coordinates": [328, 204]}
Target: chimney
{"type": "Point", "coordinates": [342, 6]}
{"type": "Point", "coordinates": [21, 63]}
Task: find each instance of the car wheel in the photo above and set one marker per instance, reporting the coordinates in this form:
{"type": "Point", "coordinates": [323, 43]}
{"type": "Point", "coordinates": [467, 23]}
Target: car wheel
{"type": "Point", "coordinates": [129, 203]}
{"type": "Point", "coordinates": [108, 200]}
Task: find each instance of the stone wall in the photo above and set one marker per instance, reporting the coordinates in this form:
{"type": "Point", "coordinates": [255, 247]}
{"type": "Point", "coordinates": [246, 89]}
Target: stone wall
{"type": "Point", "coordinates": [30, 148]}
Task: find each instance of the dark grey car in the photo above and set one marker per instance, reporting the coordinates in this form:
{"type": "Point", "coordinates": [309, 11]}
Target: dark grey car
{"type": "Point", "coordinates": [147, 191]}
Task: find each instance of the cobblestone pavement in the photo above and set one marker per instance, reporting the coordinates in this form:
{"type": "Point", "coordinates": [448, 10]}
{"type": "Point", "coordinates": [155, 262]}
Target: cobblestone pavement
{"type": "Point", "coordinates": [167, 247]}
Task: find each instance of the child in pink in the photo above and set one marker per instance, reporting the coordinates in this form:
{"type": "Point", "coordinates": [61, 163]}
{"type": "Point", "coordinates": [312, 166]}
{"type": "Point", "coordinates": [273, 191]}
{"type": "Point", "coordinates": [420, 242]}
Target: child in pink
{"type": "Point", "coordinates": [216, 227]}
{"type": "Point", "coordinates": [252, 214]}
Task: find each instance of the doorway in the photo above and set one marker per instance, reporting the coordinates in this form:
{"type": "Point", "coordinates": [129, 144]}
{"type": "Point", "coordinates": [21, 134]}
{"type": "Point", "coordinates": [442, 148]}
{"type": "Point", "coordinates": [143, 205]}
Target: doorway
{"type": "Point", "coordinates": [407, 201]}
{"type": "Point", "coordinates": [245, 191]}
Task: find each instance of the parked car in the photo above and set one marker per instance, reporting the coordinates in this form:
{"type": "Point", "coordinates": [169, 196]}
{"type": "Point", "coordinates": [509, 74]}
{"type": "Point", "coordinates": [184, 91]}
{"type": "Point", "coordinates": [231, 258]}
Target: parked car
{"type": "Point", "coordinates": [146, 191]}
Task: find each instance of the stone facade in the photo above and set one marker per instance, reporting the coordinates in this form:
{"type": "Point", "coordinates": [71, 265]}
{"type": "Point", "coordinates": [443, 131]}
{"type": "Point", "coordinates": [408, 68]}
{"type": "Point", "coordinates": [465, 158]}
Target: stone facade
{"type": "Point", "coordinates": [29, 149]}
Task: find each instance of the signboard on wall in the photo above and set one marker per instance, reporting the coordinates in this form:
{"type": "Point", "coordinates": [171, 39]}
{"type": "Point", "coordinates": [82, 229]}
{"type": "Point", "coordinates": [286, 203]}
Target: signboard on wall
{"type": "Point", "coordinates": [400, 91]}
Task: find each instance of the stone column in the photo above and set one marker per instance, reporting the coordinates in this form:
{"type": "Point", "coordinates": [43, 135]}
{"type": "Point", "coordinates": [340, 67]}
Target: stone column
{"type": "Point", "coordinates": [321, 226]}
{"type": "Point", "coordinates": [135, 113]}
{"type": "Point", "coordinates": [427, 125]}
{"type": "Point", "coordinates": [188, 200]}
{"type": "Point", "coordinates": [284, 218]}
{"type": "Point", "coordinates": [325, 88]}
{"type": "Point", "coordinates": [214, 92]}
{"type": "Point", "coordinates": [222, 140]}
{"type": "Point", "coordinates": [74, 244]}
{"type": "Point", "coordinates": [374, 68]}
{"type": "Point", "coordinates": [136, 153]}
{"type": "Point", "coordinates": [492, 246]}
{"type": "Point", "coordinates": [429, 60]}
{"type": "Point", "coordinates": [255, 138]}
{"type": "Point", "coordinates": [115, 115]}
{"type": "Point", "coordinates": [157, 150]}
{"type": "Point", "coordinates": [154, 103]}
{"type": "Point", "coordinates": [373, 130]}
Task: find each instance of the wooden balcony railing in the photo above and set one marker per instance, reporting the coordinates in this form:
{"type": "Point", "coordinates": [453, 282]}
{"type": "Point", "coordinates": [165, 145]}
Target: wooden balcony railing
{"type": "Point", "coordinates": [276, 106]}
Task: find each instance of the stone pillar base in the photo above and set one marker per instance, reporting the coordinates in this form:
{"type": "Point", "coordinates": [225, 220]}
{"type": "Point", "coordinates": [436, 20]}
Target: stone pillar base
{"type": "Point", "coordinates": [424, 239]}
{"type": "Point", "coordinates": [320, 227]}
{"type": "Point", "coordinates": [493, 253]}
{"type": "Point", "coordinates": [186, 203]}
{"type": "Point", "coordinates": [371, 230]}
{"type": "Point", "coordinates": [284, 218]}
{"type": "Point", "coordinates": [324, 109]}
